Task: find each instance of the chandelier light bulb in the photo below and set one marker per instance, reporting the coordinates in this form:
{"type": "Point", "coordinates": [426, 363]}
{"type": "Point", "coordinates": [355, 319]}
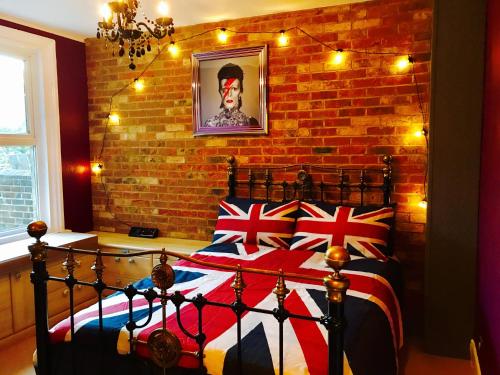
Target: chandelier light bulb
{"type": "Point", "coordinates": [163, 9]}
{"type": "Point", "coordinates": [283, 39]}
{"type": "Point", "coordinates": [173, 49]}
{"type": "Point", "coordinates": [106, 12]}
{"type": "Point", "coordinates": [222, 35]}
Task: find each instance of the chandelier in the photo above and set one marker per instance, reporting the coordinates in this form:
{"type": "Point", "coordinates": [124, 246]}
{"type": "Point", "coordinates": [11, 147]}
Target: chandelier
{"type": "Point", "coordinates": [119, 25]}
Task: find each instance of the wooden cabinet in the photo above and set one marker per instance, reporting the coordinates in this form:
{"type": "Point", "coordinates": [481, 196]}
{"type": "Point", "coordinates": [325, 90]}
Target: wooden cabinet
{"type": "Point", "coordinates": [58, 292]}
{"type": "Point", "coordinates": [17, 312]}
{"type": "Point", "coordinates": [6, 328]}
{"type": "Point", "coordinates": [121, 271]}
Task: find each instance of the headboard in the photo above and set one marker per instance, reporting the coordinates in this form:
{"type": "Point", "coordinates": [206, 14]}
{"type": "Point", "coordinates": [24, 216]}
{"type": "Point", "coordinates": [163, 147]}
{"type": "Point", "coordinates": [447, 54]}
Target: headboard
{"type": "Point", "coordinates": [308, 182]}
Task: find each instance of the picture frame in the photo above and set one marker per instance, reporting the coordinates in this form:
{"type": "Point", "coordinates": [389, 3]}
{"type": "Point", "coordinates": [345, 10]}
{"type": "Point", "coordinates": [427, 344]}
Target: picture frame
{"type": "Point", "coordinates": [230, 91]}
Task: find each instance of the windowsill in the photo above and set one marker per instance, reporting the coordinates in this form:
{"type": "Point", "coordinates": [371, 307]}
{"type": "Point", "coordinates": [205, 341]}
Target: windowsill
{"type": "Point", "coordinates": [16, 254]}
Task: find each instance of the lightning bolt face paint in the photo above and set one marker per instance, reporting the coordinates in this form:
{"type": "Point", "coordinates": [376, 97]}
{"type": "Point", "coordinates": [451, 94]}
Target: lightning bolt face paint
{"type": "Point", "coordinates": [230, 92]}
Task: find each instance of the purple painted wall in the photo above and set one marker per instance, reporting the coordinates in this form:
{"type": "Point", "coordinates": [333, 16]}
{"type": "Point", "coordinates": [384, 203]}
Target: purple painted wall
{"type": "Point", "coordinates": [73, 115]}
{"type": "Point", "coordinates": [489, 214]}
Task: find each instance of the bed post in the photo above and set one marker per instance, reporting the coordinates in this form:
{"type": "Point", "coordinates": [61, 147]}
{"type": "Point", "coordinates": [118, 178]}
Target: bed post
{"type": "Point", "coordinates": [387, 179]}
{"type": "Point", "coordinates": [39, 278]}
{"type": "Point", "coordinates": [231, 178]}
{"type": "Point", "coordinates": [336, 286]}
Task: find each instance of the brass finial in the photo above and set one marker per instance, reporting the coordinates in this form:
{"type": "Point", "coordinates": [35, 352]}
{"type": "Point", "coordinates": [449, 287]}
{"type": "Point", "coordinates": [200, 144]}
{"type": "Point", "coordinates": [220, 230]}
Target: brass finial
{"type": "Point", "coordinates": [98, 266]}
{"type": "Point", "coordinates": [69, 263]}
{"type": "Point", "coordinates": [163, 257]}
{"type": "Point", "coordinates": [336, 284]}
{"type": "Point", "coordinates": [230, 160]}
{"type": "Point", "coordinates": [387, 159]}
{"type": "Point", "coordinates": [238, 284]}
{"type": "Point", "coordinates": [163, 275]}
{"type": "Point", "coordinates": [37, 229]}
{"type": "Point", "coordinates": [281, 290]}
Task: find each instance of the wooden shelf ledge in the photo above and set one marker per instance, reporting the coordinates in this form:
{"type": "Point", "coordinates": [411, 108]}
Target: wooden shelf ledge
{"type": "Point", "coordinates": [123, 241]}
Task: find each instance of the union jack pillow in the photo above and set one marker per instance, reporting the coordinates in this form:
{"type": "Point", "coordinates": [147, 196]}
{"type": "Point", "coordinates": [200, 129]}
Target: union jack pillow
{"type": "Point", "coordinates": [363, 231]}
{"type": "Point", "coordinates": [253, 222]}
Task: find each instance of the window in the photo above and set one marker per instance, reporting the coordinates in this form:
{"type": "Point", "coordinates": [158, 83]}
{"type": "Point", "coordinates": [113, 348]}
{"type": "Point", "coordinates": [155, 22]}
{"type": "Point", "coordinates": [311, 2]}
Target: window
{"type": "Point", "coordinates": [30, 162]}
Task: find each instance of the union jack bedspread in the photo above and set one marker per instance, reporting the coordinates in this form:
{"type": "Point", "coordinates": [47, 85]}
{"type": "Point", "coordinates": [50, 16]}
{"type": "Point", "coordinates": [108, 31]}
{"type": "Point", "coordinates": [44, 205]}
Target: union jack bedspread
{"type": "Point", "coordinates": [372, 338]}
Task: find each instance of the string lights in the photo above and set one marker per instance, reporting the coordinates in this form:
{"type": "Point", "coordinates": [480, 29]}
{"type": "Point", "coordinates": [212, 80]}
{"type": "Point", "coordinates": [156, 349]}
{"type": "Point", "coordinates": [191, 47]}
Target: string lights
{"type": "Point", "coordinates": [283, 39]}
{"type": "Point", "coordinates": [222, 35]}
{"type": "Point", "coordinates": [402, 62]}
{"type": "Point", "coordinates": [173, 49]}
{"type": "Point", "coordinates": [138, 84]}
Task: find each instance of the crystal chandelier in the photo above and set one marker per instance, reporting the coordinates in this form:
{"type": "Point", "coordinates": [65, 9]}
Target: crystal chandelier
{"type": "Point", "coordinates": [119, 25]}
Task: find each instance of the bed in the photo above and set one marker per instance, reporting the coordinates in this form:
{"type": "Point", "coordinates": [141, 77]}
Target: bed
{"type": "Point", "coordinates": [253, 302]}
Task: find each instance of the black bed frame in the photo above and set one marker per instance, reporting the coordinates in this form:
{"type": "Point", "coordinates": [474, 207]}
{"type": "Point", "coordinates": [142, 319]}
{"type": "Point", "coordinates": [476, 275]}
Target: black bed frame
{"type": "Point", "coordinates": [259, 182]}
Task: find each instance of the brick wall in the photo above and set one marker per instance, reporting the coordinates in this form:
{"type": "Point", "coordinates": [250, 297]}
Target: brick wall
{"type": "Point", "coordinates": [159, 175]}
{"type": "Point", "coordinates": [16, 203]}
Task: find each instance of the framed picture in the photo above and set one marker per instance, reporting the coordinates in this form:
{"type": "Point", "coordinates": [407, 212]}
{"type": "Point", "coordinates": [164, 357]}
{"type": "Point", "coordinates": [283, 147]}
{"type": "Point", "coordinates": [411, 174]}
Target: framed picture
{"type": "Point", "coordinates": [229, 91]}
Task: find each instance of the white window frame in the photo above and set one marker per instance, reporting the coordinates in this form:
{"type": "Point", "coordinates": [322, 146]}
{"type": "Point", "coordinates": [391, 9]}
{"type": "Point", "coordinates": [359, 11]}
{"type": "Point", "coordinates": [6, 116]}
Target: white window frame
{"type": "Point", "coordinates": [40, 53]}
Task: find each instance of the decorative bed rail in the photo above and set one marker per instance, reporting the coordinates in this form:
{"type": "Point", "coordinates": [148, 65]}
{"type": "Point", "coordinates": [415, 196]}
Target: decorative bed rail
{"type": "Point", "coordinates": [164, 345]}
{"type": "Point", "coordinates": [272, 182]}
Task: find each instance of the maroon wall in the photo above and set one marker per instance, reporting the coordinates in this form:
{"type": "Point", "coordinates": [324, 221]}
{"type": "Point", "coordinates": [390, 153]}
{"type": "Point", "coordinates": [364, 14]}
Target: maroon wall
{"type": "Point", "coordinates": [73, 114]}
{"type": "Point", "coordinates": [489, 217]}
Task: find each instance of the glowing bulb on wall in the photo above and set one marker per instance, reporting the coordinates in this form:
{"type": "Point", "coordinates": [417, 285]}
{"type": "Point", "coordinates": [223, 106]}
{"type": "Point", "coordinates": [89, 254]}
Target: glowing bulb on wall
{"type": "Point", "coordinates": [114, 118]}
{"type": "Point", "coordinates": [338, 57]}
{"type": "Point", "coordinates": [222, 35]}
{"type": "Point", "coordinates": [283, 39]}
{"type": "Point", "coordinates": [96, 167]}
{"type": "Point", "coordinates": [138, 84]}
{"type": "Point", "coordinates": [106, 12]}
{"type": "Point", "coordinates": [421, 133]}
{"type": "Point", "coordinates": [173, 49]}
{"type": "Point", "coordinates": [423, 203]}
{"type": "Point", "coordinates": [163, 9]}
{"type": "Point", "coordinates": [404, 62]}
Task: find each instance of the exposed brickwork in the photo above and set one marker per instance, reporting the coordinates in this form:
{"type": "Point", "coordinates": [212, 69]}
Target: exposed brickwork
{"type": "Point", "coordinates": [159, 175]}
{"type": "Point", "coordinates": [16, 203]}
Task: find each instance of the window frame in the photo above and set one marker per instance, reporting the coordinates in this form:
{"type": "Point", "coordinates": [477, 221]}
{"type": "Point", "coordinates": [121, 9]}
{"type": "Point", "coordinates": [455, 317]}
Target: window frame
{"type": "Point", "coordinates": [43, 122]}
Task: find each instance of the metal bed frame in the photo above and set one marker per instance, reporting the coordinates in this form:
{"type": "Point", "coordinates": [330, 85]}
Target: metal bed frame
{"type": "Point", "coordinates": [164, 345]}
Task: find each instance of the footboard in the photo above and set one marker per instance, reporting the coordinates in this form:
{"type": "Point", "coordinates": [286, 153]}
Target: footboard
{"type": "Point", "coordinates": [164, 346]}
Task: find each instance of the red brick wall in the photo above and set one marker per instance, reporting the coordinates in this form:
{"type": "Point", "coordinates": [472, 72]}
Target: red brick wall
{"type": "Point", "coordinates": [159, 175]}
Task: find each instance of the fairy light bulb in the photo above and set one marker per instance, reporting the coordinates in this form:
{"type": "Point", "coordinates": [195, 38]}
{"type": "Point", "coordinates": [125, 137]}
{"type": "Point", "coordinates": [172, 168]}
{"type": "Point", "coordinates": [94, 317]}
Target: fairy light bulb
{"type": "Point", "coordinates": [283, 39]}
{"type": "Point", "coordinates": [106, 12]}
{"type": "Point", "coordinates": [338, 57]}
{"type": "Point", "coordinates": [222, 35]}
{"type": "Point", "coordinates": [138, 85]}
{"type": "Point", "coordinates": [163, 9]}
{"type": "Point", "coordinates": [114, 118]}
{"type": "Point", "coordinates": [173, 49]}
{"type": "Point", "coordinates": [96, 167]}
{"type": "Point", "coordinates": [421, 133]}
{"type": "Point", "coordinates": [423, 203]}
{"type": "Point", "coordinates": [403, 62]}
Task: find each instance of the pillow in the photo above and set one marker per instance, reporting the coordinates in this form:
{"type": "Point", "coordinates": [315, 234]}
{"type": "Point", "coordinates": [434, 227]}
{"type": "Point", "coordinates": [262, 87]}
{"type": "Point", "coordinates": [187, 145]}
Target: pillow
{"type": "Point", "coordinates": [363, 231]}
{"type": "Point", "coordinates": [251, 222]}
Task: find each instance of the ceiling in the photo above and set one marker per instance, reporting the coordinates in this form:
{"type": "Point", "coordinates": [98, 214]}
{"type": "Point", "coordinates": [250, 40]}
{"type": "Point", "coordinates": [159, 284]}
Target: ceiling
{"type": "Point", "coordinates": [77, 18]}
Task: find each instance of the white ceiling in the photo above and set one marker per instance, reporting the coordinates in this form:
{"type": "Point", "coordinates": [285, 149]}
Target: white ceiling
{"type": "Point", "coordinates": [77, 18]}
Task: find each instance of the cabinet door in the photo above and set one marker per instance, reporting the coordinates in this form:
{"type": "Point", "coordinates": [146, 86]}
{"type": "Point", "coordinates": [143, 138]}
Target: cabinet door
{"type": "Point", "coordinates": [5, 307]}
{"type": "Point", "coordinates": [22, 291]}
